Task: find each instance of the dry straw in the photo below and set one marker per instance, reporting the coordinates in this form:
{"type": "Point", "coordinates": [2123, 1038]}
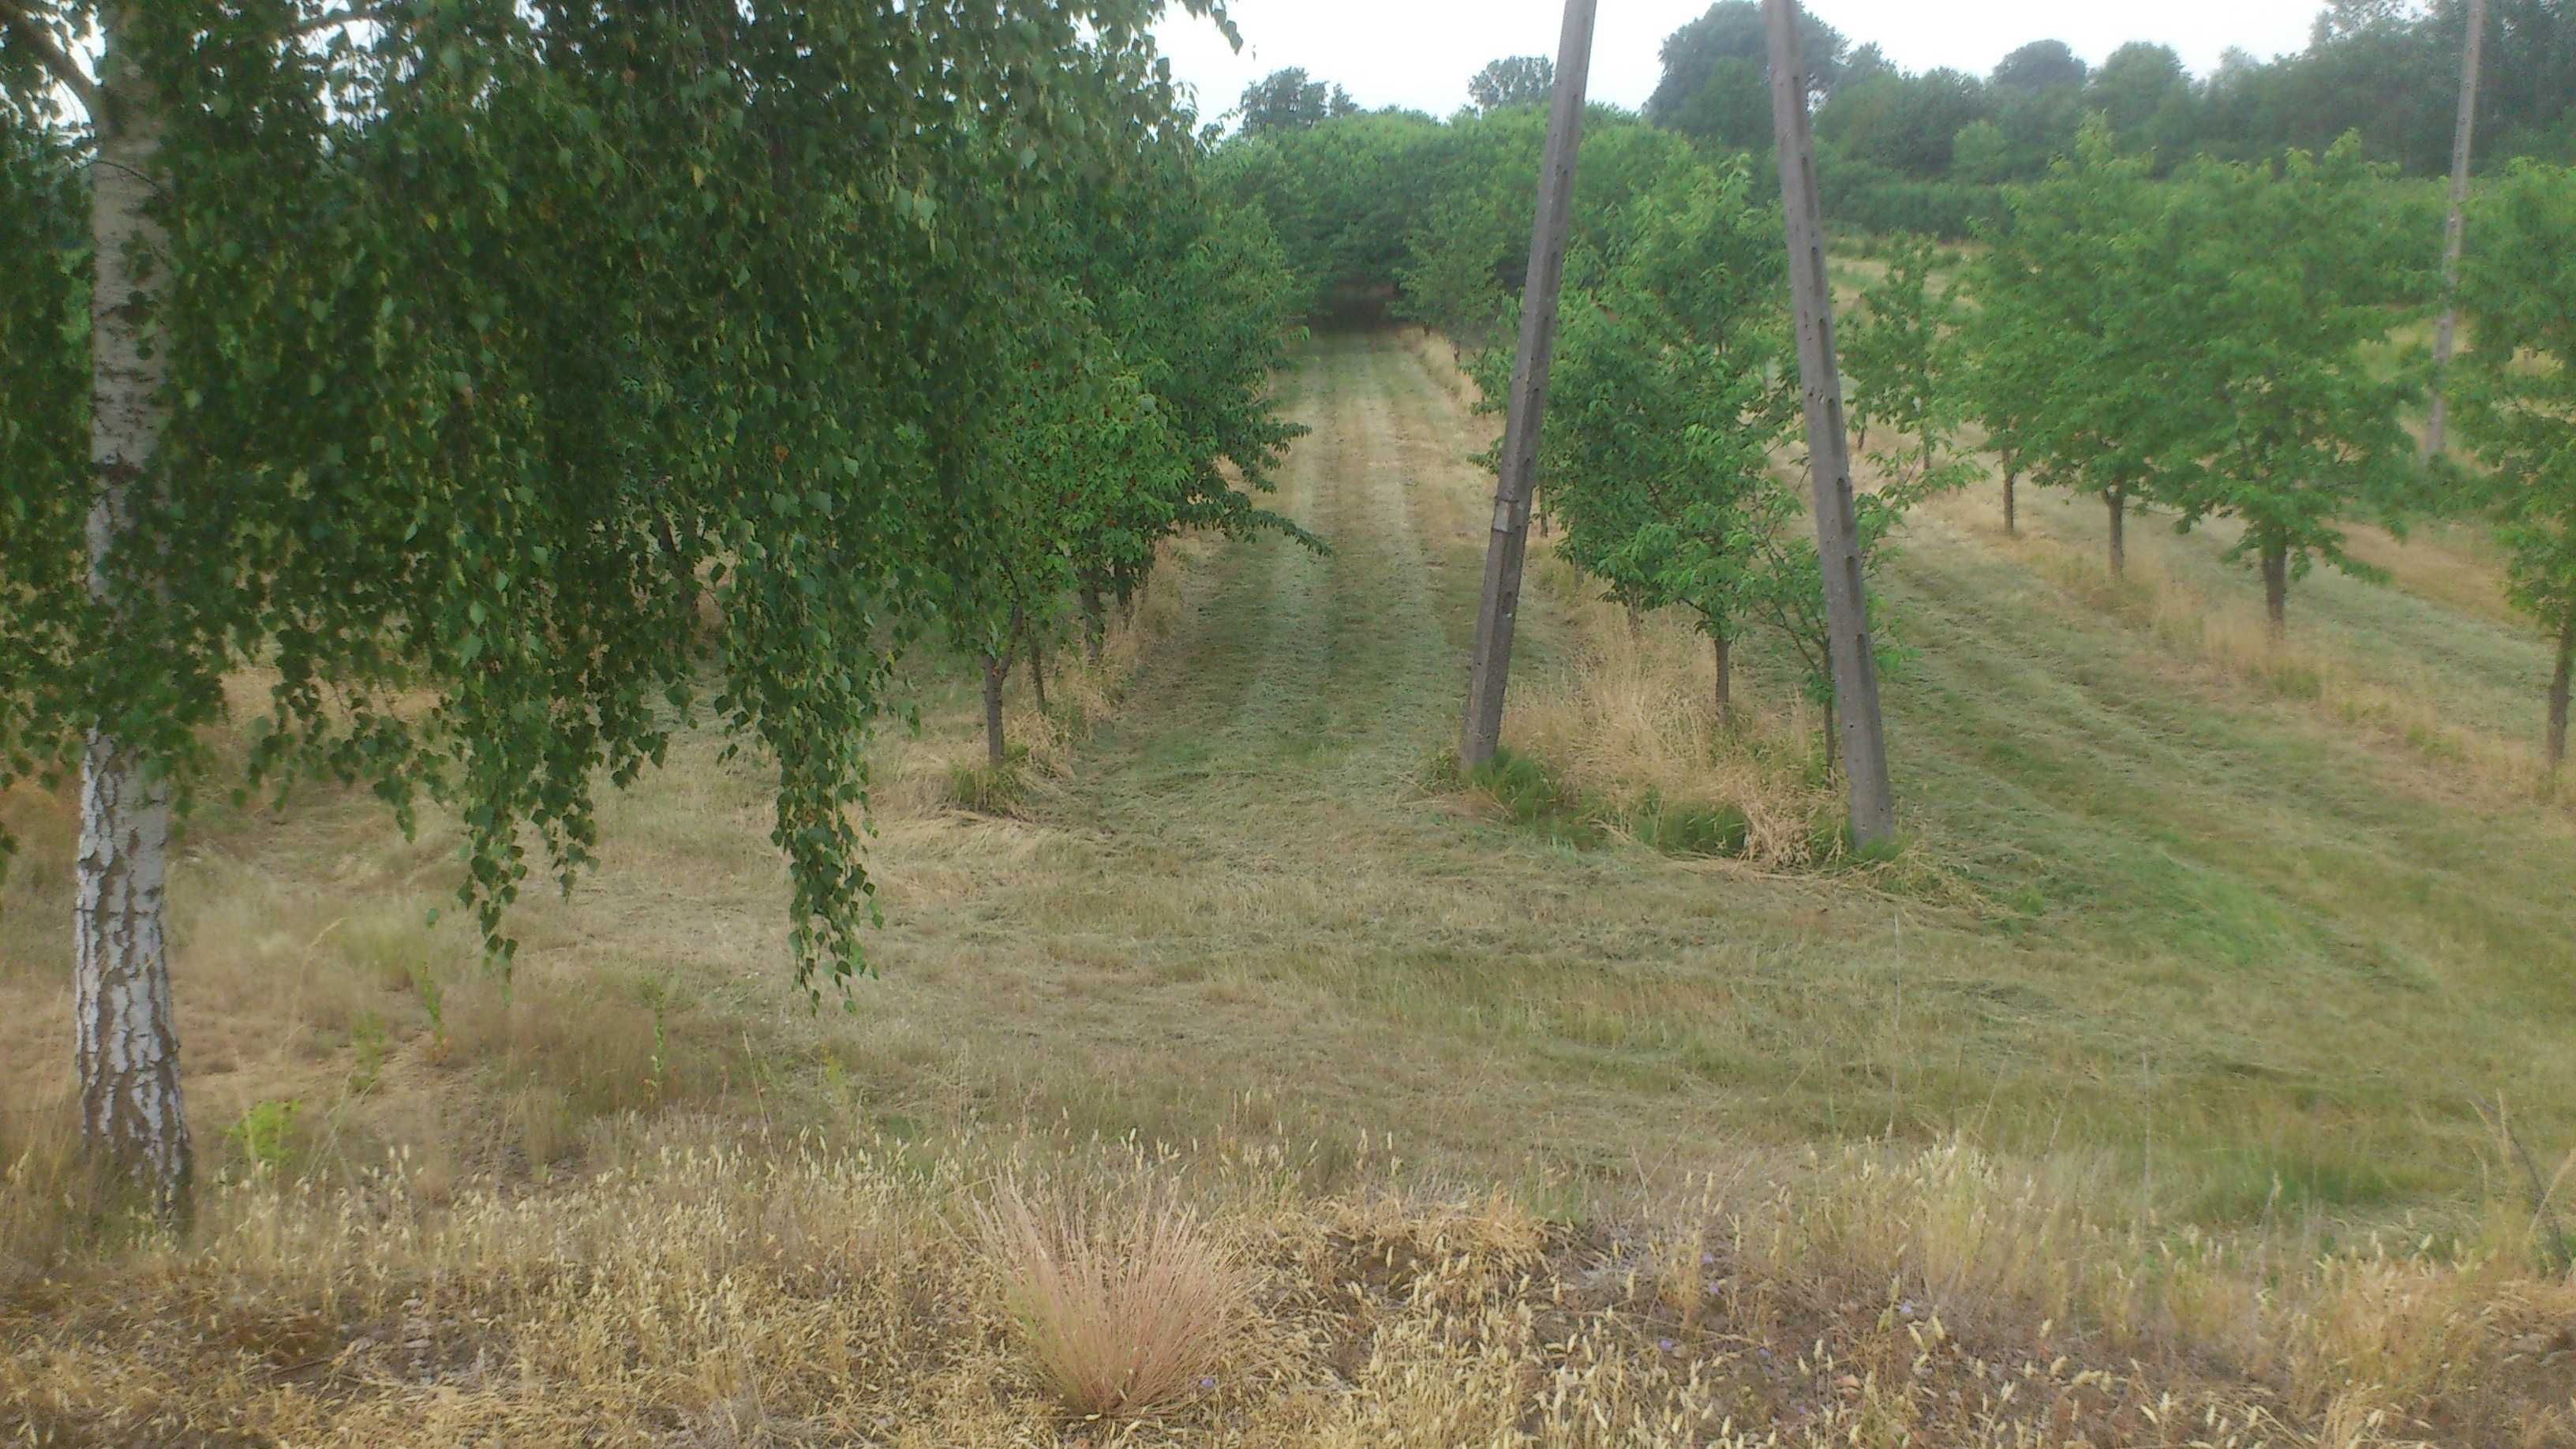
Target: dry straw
{"type": "Point", "coordinates": [1121, 1306]}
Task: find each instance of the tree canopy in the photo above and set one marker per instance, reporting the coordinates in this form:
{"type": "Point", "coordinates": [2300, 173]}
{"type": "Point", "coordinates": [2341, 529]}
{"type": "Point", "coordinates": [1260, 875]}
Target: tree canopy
{"type": "Point", "coordinates": [1288, 100]}
{"type": "Point", "coordinates": [1707, 63]}
{"type": "Point", "coordinates": [2516, 393]}
{"type": "Point", "coordinates": [1514, 80]}
{"type": "Point", "coordinates": [516, 383]}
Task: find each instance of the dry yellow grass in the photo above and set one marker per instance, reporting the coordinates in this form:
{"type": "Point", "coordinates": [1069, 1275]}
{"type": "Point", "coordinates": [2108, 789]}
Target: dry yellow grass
{"type": "Point", "coordinates": [709, 1292]}
{"type": "Point", "coordinates": [2457, 564]}
{"type": "Point", "coordinates": [1635, 715]}
{"type": "Point", "coordinates": [1123, 1307]}
{"type": "Point", "coordinates": [1439, 357]}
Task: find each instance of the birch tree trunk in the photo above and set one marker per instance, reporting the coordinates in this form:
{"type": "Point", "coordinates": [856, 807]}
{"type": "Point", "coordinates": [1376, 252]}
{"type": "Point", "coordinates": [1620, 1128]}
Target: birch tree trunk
{"type": "Point", "coordinates": [125, 1047]}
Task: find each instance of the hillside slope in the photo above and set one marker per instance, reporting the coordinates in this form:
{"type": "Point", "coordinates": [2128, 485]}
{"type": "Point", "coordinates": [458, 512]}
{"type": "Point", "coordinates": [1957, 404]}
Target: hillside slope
{"type": "Point", "coordinates": [2250, 950]}
{"type": "Point", "coordinates": [2207, 951]}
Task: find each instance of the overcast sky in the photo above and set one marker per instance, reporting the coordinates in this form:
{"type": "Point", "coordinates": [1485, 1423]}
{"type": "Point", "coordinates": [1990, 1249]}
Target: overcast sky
{"type": "Point", "coordinates": [1419, 53]}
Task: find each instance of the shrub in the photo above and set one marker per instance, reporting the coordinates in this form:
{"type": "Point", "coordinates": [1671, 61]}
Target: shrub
{"type": "Point", "coordinates": [265, 1132]}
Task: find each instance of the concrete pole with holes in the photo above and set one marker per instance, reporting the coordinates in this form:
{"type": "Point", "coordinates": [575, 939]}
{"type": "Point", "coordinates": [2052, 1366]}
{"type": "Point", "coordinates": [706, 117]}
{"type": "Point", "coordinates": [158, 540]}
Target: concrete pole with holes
{"type": "Point", "coordinates": [1856, 716]}
{"type": "Point", "coordinates": [2462, 132]}
{"type": "Point", "coordinates": [1498, 609]}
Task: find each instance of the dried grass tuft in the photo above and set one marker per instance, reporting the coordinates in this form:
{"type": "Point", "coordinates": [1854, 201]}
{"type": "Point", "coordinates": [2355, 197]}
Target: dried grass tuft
{"type": "Point", "coordinates": [1123, 1307]}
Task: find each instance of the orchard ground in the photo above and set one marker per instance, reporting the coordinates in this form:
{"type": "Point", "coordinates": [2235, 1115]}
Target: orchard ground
{"type": "Point", "coordinates": [2173, 1050]}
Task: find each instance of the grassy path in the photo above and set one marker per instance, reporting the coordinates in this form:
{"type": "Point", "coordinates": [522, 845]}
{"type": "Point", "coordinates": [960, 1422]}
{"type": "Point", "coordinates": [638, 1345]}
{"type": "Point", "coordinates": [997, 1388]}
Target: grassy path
{"type": "Point", "coordinates": [2236, 958]}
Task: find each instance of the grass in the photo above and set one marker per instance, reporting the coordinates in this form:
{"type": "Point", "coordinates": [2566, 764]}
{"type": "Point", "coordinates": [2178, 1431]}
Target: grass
{"type": "Point", "coordinates": [718, 1288]}
{"type": "Point", "coordinates": [2468, 706]}
{"type": "Point", "coordinates": [2165, 1040]}
{"type": "Point", "coordinates": [1121, 1309]}
{"type": "Point", "coordinates": [1527, 790]}
{"type": "Point", "coordinates": [1630, 717]}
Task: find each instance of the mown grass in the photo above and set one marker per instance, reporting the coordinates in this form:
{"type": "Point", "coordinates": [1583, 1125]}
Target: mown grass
{"type": "Point", "coordinates": [2187, 991]}
{"type": "Point", "coordinates": [1528, 791]}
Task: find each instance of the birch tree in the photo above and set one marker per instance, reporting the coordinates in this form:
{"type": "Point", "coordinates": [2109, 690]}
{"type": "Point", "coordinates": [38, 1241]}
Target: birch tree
{"type": "Point", "coordinates": [479, 351]}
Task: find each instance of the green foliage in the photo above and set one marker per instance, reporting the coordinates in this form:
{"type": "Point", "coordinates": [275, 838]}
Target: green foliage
{"type": "Point", "coordinates": [1875, 200]}
{"type": "Point", "coordinates": [2515, 390]}
{"type": "Point", "coordinates": [1438, 215]}
{"type": "Point", "coordinates": [545, 377]}
{"type": "Point", "coordinates": [2387, 72]}
{"type": "Point", "coordinates": [1979, 153]}
{"type": "Point", "coordinates": [1781, 587]}
{"type": "Point", "coordinates": [2206, 343]}
{"type": "Point", "coordinates": [1731, 109]}
{"type": "Point", "coordinates": [2286, 276]}
{"type": "Point", "coordinates": [1667, 396]}
{"type": "Point", "coordinates": [1901, 362]}
{"type": "Point", "coordinates": [1288, 100]}
{"type": "Point", "coordinates": [2079, 375]}
{"type": "Point", "coordinates": [264, 1134]}
{"type": "Point", "coordinates": [1712, 54]}
{"type": "Point", "coordinates": [2042, 65]}
{"type": "Point", "coordinates": [1514, 80]}
{"type": "Point", "coordinates": [1673, 382]}
{"type": "Point", "coordinates": [2145, 94]}
{"type": "Point", "coordinates": [1906, 123]}
{"type": "Point", "coordinates": [1339, 196]}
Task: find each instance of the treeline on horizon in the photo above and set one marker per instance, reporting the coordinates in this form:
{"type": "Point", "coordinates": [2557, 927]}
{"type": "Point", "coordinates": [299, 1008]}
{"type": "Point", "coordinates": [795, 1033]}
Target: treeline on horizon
{"type": "Point", "coordinates": [1929, 151]}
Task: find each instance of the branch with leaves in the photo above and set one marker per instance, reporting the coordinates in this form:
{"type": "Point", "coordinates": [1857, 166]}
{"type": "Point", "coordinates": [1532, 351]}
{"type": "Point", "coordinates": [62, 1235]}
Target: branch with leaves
{"type": "Point", "coordinates": [45, 35]}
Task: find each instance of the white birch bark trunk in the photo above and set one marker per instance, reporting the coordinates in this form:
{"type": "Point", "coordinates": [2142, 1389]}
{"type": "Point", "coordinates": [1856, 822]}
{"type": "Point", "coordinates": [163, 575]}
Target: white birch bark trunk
{"type": "Point", "coordinates": [126, 1048]}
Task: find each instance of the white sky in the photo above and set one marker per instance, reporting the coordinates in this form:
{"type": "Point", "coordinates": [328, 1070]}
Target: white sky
{"type": "Point", "coordinates": [1419, 53]}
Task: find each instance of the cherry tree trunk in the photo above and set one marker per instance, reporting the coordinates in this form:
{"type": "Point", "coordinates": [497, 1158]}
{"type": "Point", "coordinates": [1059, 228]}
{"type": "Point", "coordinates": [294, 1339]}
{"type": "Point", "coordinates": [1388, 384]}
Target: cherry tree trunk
{"type": "Point", "coordinates": [2558, 690]}
{"type": "Point", "coordinates": [1723, 649]}
{"type": "Point", "coordinates": [994, 754]}
{"type": "Point", "coordinates": [1095, 621]}
{"type": "Point", "coordinates": [126, 1050]}
{"type": "Point", "coordinates": [2011, 525]}
{"type": "Point", "coordinates": [2117, 500]}
{"type": "Point", "coordinates": [2276, 588]}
